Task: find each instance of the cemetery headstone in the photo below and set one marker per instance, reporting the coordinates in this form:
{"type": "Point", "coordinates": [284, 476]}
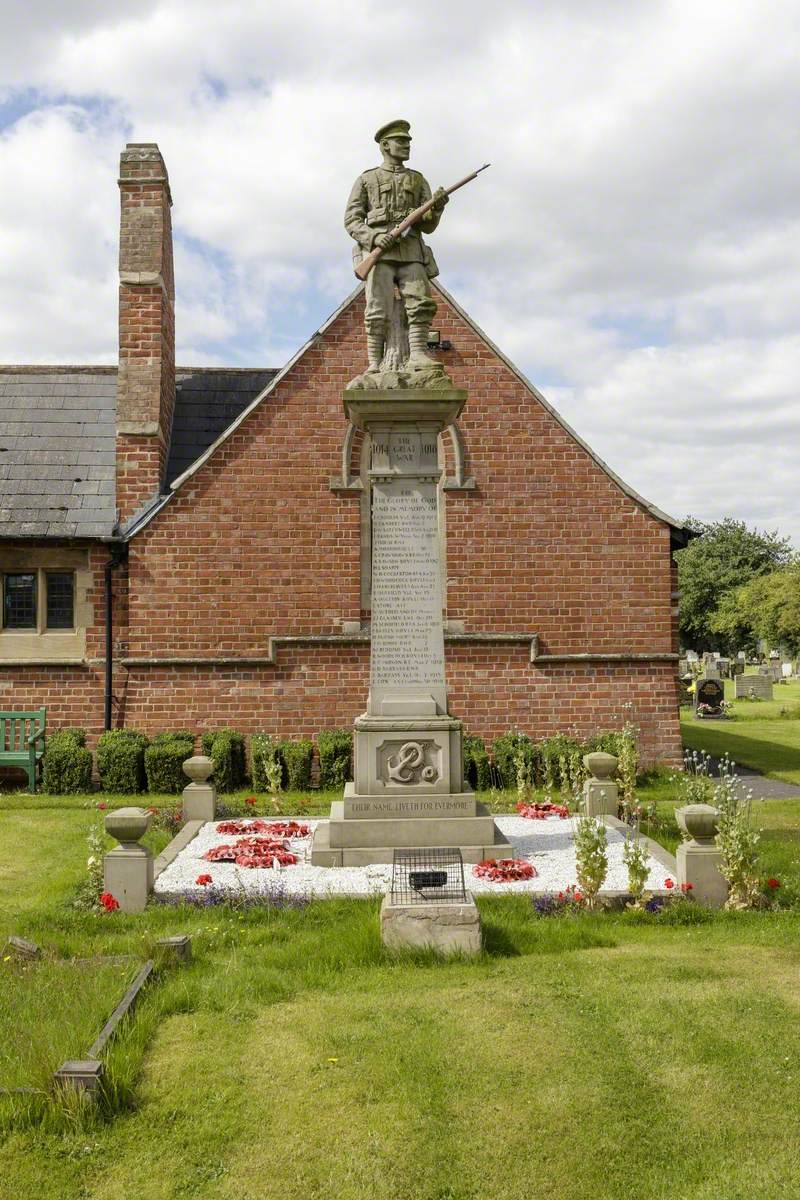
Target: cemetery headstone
{"type": "Point", "coordinates": [708, 697]}
{"type": "Point", "coordinates": [753, 687]}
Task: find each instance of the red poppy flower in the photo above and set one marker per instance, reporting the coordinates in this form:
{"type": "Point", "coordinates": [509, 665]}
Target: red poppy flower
{"type": "Point", "coordinates": [204, 880]}
{"type": "Point", "coordinates": [669, 883]}
{"type": "Point", "coordinates": [109, 902]}
{"type": "Point", "coordinates": [102, 807]}
{"type": "Point", "coordinates": [686, 887]}
{"type": "Point", "coordinates": [578, 895]}
{"type": "Point", "coordinates": [773, 883]}
{"type": "Point", "coordinates": [251, 800]}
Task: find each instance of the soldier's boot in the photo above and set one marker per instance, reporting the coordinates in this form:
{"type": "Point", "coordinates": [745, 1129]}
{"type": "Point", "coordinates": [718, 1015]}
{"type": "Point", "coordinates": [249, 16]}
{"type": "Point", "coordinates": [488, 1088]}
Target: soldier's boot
{"type": "Point", "coordinates": [418, 344]}
{"type": "Point", "coordinates": [376, 343]}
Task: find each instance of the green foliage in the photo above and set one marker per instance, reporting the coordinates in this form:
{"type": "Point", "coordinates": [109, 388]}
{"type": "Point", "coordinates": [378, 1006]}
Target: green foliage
{"type": "Point", "coordinates": [296, 760]}
{"type": "Point", "coordinates": [767, 607]}
{"type": "Point", "coordinates": [591, 856]}
{"type": "Point", "coordinates": [477, 765]}
{"type": "Point", "coordinates": [120, 761]}
{"type": "Point", "coordinates": [557, 752]}
{"type": "Point", "coordinates": [266, 767]}
{"type": "Point", "coordinates": [608, 741]}
{"type": "Point", "coordinates": [164, 759]}
{"type": "Point", "coordinates": [507, 749]}
{"type": "Point", "coordinates": [335, 757]}
{"type": "Point", "coordinates": [226, 748]}
{"type": "Point", "coordinates": [634, 856]}
{"type": "Point", "coordinates": [737, 840]}
{"type": "Point", "coordinates": [726, 556]}
{"type": "Point", "coordinates": [67, 763]}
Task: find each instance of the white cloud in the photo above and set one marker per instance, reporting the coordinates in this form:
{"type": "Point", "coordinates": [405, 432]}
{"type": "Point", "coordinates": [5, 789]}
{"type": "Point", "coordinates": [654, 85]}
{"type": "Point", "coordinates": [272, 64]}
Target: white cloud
{"type": "Point", "coordinates": [635, 245]}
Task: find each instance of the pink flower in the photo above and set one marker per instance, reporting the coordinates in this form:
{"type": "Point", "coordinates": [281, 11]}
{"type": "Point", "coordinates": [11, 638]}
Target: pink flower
{"type": "Point", "coordinates": [204, 880]}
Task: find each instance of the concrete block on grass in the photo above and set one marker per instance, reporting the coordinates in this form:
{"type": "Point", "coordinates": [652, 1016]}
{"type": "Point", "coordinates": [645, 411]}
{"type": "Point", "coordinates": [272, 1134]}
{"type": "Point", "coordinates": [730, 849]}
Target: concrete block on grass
{"type": "Point", "coordinates": [447, 928]}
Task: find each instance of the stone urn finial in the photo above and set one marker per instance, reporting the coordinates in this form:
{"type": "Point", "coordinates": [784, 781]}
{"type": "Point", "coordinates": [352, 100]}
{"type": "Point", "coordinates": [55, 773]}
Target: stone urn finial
{"type": "Point", "coordinates": [699, 822]}
{"type": "Point", "coordinates": [198, 768]}
{"type": "Point", "coordinates": [127, 825]}
{"type": "Point", "coordinates": [600, 765]}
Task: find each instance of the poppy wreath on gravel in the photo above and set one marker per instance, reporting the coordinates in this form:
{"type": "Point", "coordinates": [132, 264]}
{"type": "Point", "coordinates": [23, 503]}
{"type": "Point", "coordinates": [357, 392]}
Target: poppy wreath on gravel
{"type": "Point", "coordinates": [505, 870]}
{"type": "Point", "coordinates": [539, 812]}
{"type": "Point", "coordinates": [253, 852]}
{"type": "Point", "coordinates": [273, 829]}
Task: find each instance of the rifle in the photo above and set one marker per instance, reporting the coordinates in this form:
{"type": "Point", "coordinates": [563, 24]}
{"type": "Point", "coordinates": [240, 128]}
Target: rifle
{"type": "Point", "coordinates": [365, 266]}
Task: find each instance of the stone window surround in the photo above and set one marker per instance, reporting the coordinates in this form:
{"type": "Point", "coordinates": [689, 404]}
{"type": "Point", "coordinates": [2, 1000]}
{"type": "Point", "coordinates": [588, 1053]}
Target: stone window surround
{"type": "Point", "coordinates": [40, 645]}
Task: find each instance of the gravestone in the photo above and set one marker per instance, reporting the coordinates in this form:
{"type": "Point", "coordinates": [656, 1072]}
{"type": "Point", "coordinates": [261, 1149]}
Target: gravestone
{"type": "Point", "coordinates": [710, 692]}
{"type": "Point", "coordinates": [686, 690]}
{"type": "Point", "coordinates": [408, 787]}
{"type": "Point", "coordinates": [753, 687]}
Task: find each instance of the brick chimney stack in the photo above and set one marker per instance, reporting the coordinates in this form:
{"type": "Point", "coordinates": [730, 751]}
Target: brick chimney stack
{"type": "Point", "coordinates": [146, 380]}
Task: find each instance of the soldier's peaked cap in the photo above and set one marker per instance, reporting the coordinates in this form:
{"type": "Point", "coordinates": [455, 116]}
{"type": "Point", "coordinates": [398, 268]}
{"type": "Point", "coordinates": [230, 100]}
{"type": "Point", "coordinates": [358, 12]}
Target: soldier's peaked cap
{"type": "Point", "coordinates": [392, 129]}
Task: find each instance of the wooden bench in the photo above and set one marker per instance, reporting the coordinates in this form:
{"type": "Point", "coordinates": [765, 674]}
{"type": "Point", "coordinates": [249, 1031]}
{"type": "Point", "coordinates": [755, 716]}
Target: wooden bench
{"type": "Point", "coordinates": [22, 741]}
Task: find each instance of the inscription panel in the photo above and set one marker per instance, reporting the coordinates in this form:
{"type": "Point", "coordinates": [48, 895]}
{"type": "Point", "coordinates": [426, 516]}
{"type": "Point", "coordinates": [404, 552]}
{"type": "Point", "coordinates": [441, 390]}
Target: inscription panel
{"type": "Point", "coordinates": [407, 634]}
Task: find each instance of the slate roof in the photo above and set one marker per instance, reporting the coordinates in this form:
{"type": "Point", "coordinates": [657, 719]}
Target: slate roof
{"type": "Point", "coordinates": [57, 451]}
{"type": "Point", "coordinates": [57, 433]}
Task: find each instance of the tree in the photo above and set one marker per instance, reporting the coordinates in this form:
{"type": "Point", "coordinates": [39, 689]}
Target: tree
{"type": "Point", "coordinates": [722, 559]}
{"type": "Point", "coordinates": [770, 606]}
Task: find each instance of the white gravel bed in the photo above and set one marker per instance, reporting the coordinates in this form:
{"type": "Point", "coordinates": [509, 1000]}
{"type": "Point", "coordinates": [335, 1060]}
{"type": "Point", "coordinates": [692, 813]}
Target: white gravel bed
{"type": "Point", "coordinates": [546, 843]}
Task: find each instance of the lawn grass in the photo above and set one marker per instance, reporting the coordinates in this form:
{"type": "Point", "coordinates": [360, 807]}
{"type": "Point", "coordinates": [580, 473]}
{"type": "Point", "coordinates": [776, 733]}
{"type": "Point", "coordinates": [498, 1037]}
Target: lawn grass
{"type": "Point", "coordinates": [608, 1057]}
{"type": "Point", "coordinates": [762, 734]}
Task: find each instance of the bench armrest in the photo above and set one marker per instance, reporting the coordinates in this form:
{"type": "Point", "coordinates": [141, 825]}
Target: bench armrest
{"type": "Point", "coordinates": [39, 733]}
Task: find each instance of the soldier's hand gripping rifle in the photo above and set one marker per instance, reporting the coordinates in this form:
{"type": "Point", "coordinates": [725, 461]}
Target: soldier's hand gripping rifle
{"type": "Point", "coordinates": [365, 266]}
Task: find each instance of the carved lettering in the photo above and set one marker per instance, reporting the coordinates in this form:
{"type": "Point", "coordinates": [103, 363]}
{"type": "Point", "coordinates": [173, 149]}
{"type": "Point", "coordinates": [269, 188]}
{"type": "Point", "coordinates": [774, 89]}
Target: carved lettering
{"type": "Point", "coordinates": [407, 636]}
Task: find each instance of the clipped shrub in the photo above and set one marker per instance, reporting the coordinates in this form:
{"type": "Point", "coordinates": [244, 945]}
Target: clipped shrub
{"type": "Point", "coordinates": [164, 759]}
{"type": "Point", "coordinates": [477, 765]}
{"type": "Point", "coordinates": [120, 761]}
{"type": "Point", "coordinates": [67, 766]}
{"type": "Point", "coordinates": [226, 748]}
{"type": "Point", "coordinates": [607, 740]}
{"type": "Point", "coordinates": [296, 759]}
{"type": "Point", "coordinates": [335, 757]}
{"type": "Point", "coordinates": [266, 765]}
{"type": "Point", "coordinates": [504, 751]}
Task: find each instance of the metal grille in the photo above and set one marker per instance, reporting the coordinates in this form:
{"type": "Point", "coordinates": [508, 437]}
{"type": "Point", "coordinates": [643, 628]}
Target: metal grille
{"type": "Point", "coordinates": [60, 599]}
{"type": "Point", "coordinates": [19, 601]}
{"type": "Point", "coordinates": [421, 876]}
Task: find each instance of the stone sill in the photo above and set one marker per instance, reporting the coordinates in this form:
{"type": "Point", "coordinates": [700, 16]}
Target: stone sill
{"type": "Point", "coordinates": [43, 662]}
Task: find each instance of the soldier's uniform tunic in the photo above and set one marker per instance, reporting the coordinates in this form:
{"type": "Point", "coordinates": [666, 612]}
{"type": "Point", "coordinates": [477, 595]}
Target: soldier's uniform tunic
{"type": "Point", "coordinates": [379, 200]}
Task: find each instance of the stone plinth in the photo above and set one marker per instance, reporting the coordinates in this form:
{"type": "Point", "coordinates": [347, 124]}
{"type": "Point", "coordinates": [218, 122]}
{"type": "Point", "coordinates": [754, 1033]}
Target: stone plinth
{"type": "Point", "coordinates": [698, 859]}
{"type": "Point", "coordinates": [200, 796]}
{"type": "Point", "coordinates": [128, 868]}
{"type": "Point", "coordinates": [408, 788]}
{"type": "Point", "coordinates": [600, 794]}
{"type": "Point", "coordinates": [446, 928]}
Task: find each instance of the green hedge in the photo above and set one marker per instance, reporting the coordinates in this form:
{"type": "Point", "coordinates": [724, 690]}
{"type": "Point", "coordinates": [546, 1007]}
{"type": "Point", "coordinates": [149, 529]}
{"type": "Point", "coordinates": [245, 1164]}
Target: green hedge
{"type": "Point", "coordinates": [505, 748]}
{"type": "Point", "coordinates": [263, 750]}
{"type": "Point", "coordinates": [559, 746]}
{"type": "Point", "coordinates": [120, 761]}
{"type": "Point", "coordinates": [67, 763]}
{"type": "Point", "coordinates": [477, 765]}
{"type": "Point", "coordinates": [335, 757]}
{"type": "Point", "coordinates": [164, 759]}
{"type": "Point", "coordinates": [609, 742]}
{"type": "Point", "coordinates": [226, 748]}
{"type": "Point", "coordinates": [296, 759]}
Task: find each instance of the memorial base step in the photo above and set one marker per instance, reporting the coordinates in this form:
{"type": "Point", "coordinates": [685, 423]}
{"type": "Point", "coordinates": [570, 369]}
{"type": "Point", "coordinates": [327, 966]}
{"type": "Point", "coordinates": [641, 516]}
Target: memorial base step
{"type": "Point", "coordinates": [325, 855]}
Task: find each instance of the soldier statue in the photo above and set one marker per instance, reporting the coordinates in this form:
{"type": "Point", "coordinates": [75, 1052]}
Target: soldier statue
{"type": "Point", "coordinates": [379, 200]}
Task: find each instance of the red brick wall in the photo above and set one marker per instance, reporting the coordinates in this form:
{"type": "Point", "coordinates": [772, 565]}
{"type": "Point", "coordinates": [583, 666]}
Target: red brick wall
{"type": "Point", "coordinates": [256, 544]}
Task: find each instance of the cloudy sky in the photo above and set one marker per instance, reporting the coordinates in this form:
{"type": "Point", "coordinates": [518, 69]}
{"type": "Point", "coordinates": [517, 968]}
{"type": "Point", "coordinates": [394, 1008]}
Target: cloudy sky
{"type": "Point", "coordinates": [635, 247]}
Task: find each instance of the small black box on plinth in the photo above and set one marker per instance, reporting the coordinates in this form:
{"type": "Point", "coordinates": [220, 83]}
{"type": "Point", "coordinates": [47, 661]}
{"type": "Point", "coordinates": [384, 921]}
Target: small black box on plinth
{"type": "Point", "coordinates": [426, 875]}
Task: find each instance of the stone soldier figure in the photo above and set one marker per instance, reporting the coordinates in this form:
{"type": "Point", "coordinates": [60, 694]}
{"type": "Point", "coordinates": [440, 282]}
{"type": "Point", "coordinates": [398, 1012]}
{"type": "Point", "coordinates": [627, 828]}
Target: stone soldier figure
{"type": "Point", "coordinates": [380, 198]}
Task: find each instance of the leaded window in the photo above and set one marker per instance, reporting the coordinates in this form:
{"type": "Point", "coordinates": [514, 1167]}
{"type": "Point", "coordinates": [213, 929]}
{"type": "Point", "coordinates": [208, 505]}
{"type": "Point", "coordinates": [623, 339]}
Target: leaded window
{"type": "Point", "coordinates": [19, 601]}
{"type": "Point", "coordinates": [60, 587]}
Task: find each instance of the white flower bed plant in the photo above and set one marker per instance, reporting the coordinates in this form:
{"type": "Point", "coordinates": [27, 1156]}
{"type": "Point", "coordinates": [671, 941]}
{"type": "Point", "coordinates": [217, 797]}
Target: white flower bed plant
{"type": "Point", "coordinates": [546, 843]}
